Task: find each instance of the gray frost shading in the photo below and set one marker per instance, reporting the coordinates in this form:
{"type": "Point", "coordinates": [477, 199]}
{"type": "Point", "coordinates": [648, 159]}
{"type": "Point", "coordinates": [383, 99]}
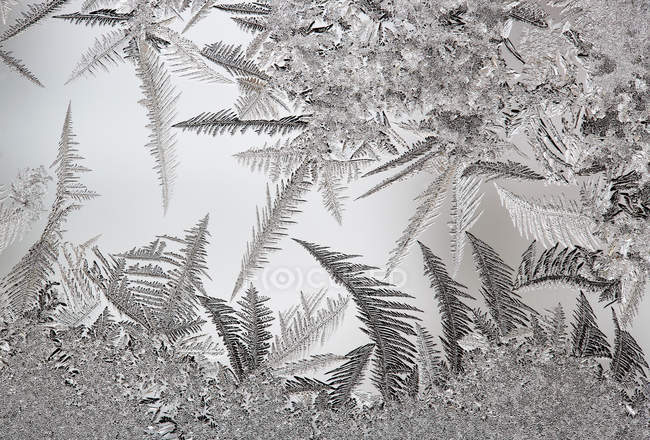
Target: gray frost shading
{"type": "Point", "coordinates": [520, 127]}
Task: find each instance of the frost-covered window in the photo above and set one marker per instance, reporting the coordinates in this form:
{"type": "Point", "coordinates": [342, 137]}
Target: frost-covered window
{"type": "Point", "coordinates": [380, 218]}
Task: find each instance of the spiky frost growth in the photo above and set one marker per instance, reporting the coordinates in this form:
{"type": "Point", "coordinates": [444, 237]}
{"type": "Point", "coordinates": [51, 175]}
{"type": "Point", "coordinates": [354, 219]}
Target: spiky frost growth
{"type": "Point", "coordinates": [275, 161]}
{"type": "Point", "coordinates": [527, 265]}
{"type": "Point", "coordinates": [111, 280]}
{"type": "Point", "coordinates": [432, 370]}
{"type": "Point", "coordinates": [16, 65]}
{"type": "Point", "coordinates": [385, 320]}
{"type": "Point", "coordinates": [567, 267]}
{"type": "Point", "coordinates": [539, 336]}
{"type": "Point", "coordinates": [341, 169]}
{"type": "Point", "coordinates": [200, 348]}
{"type": "Point", "coordinates": [5, 9]}
{"type": "Point", "coordinates": [226, 121]}
{"type": "Point", "coordinates": [500, 170]}
{"type": "Point", "coordinates": [104, 325]}
{"type": "Point", "coordinates": [300, 385]}
{"type": "Point", "coordinates": [331, 190]}
{"type": "Point", "coordinates": [233, 60]}
{"type": "Point", "coordinates": [93, 5]}
{"type": "Point", "coordinates": [550, 222]}
{"type": "Point", "coordinates": [627, 196]}
{"type": "Point", "coordinates": [100, 17]}
{"type": "Point", "coordinates": [463, 214]}
{"type": "Point", "coordinates": [415, 152]}
{"type": "Point", "coordinates": [412, 383]}
{"type": "Point", "coordinates": [505, 306]}
{"type": "Point", "coordinates": [634, 289]}
{"type": "Point", "coordinates": [185, 277]}
{"type": "Point", "coordinates": [250, 24]}
{"type": "Point", "coordinates": [454, 313]}
{"type": "Point", "coordinates": [224, 318]}
{"type": "Point", "coordinates": [21, 204]}
{"type": "Point", "coordinates": [349, 375]}
{"type": "Point", "coordinates": [200, 10]}
{"type": "Point", "coordinates": [101, 55]}
{"type": "Point", "coordinates": [272, 224]}
{"type": "Point", "coordinates": [430, 202]}
{"type": "Point", "coordinates": [185, 58]}
{"type": "Point", "coordinates": [158, 288]}
{"type": "Point", "coordinates": [159, 100]}
{"type": "Point", "coordinates": [413, 168]}
{"type": "Point", "coordinates": [304, 326]}
{"type": "Point", "coordinates": [82, 304]}
{"type": "Point", "coordinates": [35, 13]}
{"type": "Point", "coordinates": [259, 99]}
{"type": "Point", "coordinates": [586, 337]}
{"type": "Point", "coordinates": [255, 46]}
{"type": "Point", "coordinates": [628, 359]}
{"type": "Point", "coordinates": [255, 319]}
{"type": "Point", "coordinates": [23, 283]}
{"type": "Point", "coordinates": [530, 12]}
{"type": "Point", "coordinates": [250, 8]}
{"type": "Point", "coordinates": [485, 326]}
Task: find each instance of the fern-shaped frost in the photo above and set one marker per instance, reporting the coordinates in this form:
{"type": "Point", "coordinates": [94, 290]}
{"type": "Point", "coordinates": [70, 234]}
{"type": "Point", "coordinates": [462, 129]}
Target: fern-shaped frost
{"type": "Point", "coordinates": [101, 55]}
{"type": "Point", "coordinates": [454, 312]}
{"type": "Point", "coordinates": [386, 321]}
{"type": "Point", "coordinates": [565, 266]}
{"type": "Point", "coordinates": [408, 171]}
{"type": "Point", "coordinates": [463, 214]}
{"type": "Point", "coordinates": [100, 17]}
{"type": "Point", "coordinates": [226, 121]}
{"type": "Point", "coordinates": [587, 339]}
{"type": "Point", "coordinates": [501, 170]}
{"type": "Point", "coordinates": [628, 360]}
{"type": "Point", "coordinates": [22, 285]}
{"type": "Point", "coordinates": [300, 385]}
{"type": "Point", "coordinates": [273, 160]}
{"type": "Point", "coordinates": [159, 99]}
{"type": "Point", "coordinates": [185, 58]}
{"type": "Point", "coordinates": [224, 318]}
{"type": "Point", "coordinates": [255, 319]}
{"type": "Point", "coordinates": [272, 224]}
{"type": "Point", "coordinates": [331, 190]}
{"type": "Point", "coordinates": [418, 150]}
{"type": "Point", "coordinates": [311, 364]}
{"type": "Point", "coordinates": [250, 24]}
{"type": "Point", "coordinates": [431, 367]}
{"type": "Point", "coordinates": [81, 302]}
{"type": "Point", "coordinates": [35, 13]}
{"type": "Point", "coordinates": [430, 202]}
{"type": "Point", "coordinates": [258, 99]}
{"type": "Point", "coordinates": [349, 375]}
{"type": "Point", "coordinates": [497, 288]}
{"type": "Point", "coordinates": [251, 8]}
{"type": "Point", "coordinates": [550, 222]}
{"type": "Point", "coordinates": [233, 60]}
{"type": "Point", "coordinates": [185, 277]}
{"type": "Point", "coordinates": [200, 9]}
{"type": "Point", "coordinates": [16, 65]}
{"type": "Point", "coordinates": [302, 327]}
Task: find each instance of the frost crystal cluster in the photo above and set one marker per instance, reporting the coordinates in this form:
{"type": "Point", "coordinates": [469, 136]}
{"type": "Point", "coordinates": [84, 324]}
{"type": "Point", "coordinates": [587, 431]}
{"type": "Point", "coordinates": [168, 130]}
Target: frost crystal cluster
{"type": "Point", "coordinates": [537, 107]}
